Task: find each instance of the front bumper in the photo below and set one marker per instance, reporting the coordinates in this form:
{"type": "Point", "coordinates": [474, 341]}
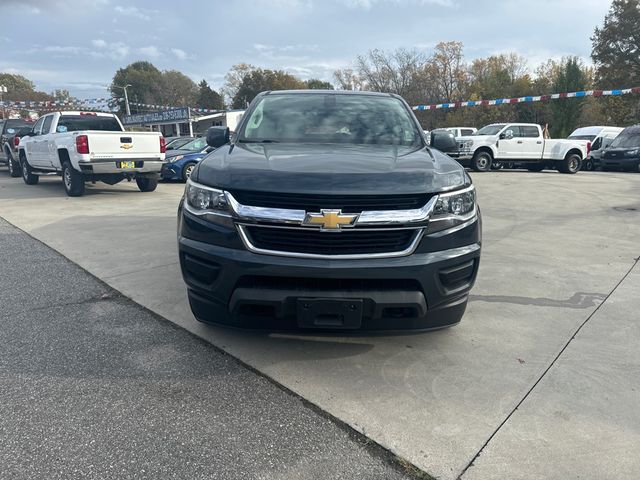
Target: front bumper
{"type": "Point", "coordinates": [171, 171]}
{"type": "Point", "coordinates": [230, 285]}
{"type": "Point", "coordinates": [625, 163]}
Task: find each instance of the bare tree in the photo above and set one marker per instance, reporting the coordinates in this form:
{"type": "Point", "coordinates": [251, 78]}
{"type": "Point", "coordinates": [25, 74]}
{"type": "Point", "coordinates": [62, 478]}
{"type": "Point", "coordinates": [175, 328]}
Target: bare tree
{"type": "Point", "coordinates": [451, 77]}
{"type": "Point", "coordinates": [347, 79]}
{"type": "Point", "coordinates": [233, 80]}
{"type": "Point", "coordinates": [391, 72]}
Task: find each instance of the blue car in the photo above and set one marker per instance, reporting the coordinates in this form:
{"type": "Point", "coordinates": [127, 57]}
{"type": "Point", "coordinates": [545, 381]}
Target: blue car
{"type": "Point", "coordinates": [179, 167]}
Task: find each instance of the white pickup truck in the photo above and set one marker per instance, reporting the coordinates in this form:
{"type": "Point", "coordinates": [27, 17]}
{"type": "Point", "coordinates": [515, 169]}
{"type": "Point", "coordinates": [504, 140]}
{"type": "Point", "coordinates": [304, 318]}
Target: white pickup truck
{"type": "Point", "coordinates": [89, 147]}
{"type": "Point", "coordinates": [519, 145]}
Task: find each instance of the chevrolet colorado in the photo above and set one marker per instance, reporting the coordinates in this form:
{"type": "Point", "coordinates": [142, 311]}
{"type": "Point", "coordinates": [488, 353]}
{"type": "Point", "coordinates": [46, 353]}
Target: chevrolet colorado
{"type": "Point", "coordinates": [327, 210]}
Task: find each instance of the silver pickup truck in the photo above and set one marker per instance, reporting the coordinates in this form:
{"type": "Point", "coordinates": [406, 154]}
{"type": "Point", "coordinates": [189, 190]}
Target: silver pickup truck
{"type": "Point", "coordinates": [89, 147]}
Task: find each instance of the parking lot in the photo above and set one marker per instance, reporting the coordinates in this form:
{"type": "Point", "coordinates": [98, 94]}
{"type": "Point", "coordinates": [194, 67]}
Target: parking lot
{"type": "Point", "coordinates": [538, 381]}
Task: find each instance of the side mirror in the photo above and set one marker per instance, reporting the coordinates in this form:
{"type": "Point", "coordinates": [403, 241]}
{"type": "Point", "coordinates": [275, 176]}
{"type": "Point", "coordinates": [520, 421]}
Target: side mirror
{"type": "Point", "coordinates": [443, 141]}
{"type": "Point", "coordinates": [217, 136]}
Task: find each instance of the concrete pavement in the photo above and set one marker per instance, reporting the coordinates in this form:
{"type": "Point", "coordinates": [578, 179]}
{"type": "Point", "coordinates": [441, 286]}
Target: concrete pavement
{"type": "Point", "coordinates": [554, 247]}
{"type": "Point", "coordinates": [94, 386]}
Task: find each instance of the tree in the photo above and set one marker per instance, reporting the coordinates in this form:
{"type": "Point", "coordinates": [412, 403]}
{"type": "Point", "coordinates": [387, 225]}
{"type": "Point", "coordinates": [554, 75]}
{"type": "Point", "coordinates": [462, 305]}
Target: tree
{"type": "Point", "coordinates": [571, 76]}
{"type": "Point", "coordinates": [347, 79]}
{"type": "Point", "coordinates": [61, 95]}
{"type": "Point", "coordinates": [315, 84]}
{"type": "Point", "coordinates": [208, 98]}
{"type": "Point", "coordinates": [178, 90]}
{"type": "Point", "coordinates": [20, 88]}
{"type": "Point", "coordinates": [390, 72]}
{"type": "Point", "coordinates": [260, 80]}
{"type": "Point", "coordinates": [233, 79]}
{"type": "Point", "coordinates": [146, 84]}
{"type": "Point", "coordinates": [616, 55]}
{"type": "Point", "coordinates": [448, 61]}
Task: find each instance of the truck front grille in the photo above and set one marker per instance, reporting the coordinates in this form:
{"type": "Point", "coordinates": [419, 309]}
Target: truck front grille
{"type": "Point", "coordinates": [315, 203]}
{"type": "Point", "coordinates": [345, 242]}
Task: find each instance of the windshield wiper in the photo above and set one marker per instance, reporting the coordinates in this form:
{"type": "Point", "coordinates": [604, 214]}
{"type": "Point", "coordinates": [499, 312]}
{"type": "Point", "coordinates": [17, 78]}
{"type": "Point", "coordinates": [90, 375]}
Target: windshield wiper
{"type": "Point", "coordinates": [266, 140]}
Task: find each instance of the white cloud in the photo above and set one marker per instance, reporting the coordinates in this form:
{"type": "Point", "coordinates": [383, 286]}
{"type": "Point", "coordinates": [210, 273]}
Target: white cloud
{"type": "Point", "coordinates": [132, 11]}
{"type": "Point", "coordinates": [150, 51]}
{"type": "Point", "coordinates": [179, 53]}
{"type": "Point", "coordinates": [99, 43]}
{"type": "Point", "coordinates": [368, 4]}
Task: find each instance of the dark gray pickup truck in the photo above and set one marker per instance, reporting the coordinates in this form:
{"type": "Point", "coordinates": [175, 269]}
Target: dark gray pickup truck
{"type": "Point", "coordinates": [327, 210]}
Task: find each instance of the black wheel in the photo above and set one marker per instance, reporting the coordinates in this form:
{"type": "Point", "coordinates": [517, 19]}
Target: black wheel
{"type": "Point", "coordinates": [588, 165]}
{"type": "Point", "coordinates": [571, 164]}
{"type": "Point", "coordinates": [147, 184]}
{"type": "Point", "coordinates": [535, 167]}
{"type": "Point", "coordinates": [13, 166]}
{"type": "Point", "coordinates": [481, 162]}
{"type": "Point", "coordinates": [28, 177]}
{"type": "Point", "coordinates": [186, 170]}
{"type": "Point", "coordinates": [496, 165]}
{"type": "Point", "coordinates": [72, 180]}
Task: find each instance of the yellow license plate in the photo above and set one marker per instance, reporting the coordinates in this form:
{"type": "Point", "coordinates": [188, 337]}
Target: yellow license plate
{"type": "Point", "coordinates": [127, 164]}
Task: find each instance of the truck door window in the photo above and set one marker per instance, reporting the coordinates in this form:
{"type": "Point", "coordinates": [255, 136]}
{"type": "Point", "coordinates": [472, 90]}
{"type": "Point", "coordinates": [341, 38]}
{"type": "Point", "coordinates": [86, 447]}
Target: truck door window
{"type": "Point", "coordinates": [597, 144]}
{"type": "Point", "coordinates": [515, 132]}
{"type": "Point", "coordinates": [46, 126]}
{"type": "Point", "coordinates": [37, 128]}
{"type": "Point", "coordinates": [466, 132]}
{"type": "Point", "coordinates": [529, 132]}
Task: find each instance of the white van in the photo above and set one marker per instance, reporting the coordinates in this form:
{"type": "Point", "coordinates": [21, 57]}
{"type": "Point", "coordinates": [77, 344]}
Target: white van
{"type": "Point", "coordinates": [600, 138]}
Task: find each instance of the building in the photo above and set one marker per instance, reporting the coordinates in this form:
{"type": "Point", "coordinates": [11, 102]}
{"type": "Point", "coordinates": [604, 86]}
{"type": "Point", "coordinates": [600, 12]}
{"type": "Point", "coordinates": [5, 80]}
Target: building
{"type": "Point", "coordinates": [183, 121]}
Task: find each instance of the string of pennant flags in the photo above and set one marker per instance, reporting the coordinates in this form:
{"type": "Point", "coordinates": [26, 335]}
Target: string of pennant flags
{"type": "Point", "coordinates": [96, 103]}
{"type": "Point", "coordinates": [528, 99]}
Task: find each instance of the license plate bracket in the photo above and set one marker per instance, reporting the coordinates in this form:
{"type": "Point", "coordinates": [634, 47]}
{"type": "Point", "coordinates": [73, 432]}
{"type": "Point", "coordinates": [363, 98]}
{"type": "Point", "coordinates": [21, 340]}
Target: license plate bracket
{"type": "Point", "coordinates": [329, 313]}
{"type": "Point", "coordinates": [126, 165]}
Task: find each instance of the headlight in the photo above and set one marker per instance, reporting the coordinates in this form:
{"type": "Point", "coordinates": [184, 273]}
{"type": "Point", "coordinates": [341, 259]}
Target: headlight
{"type": "Point", "coordinates": [633, 153]}
{"type": "Point", "coordinates": [201, 199]}
{"type": "Point", "coordinates": [468, 143]}
{"type": "Point", "coordinates": [452, 209]}
{"type": "Point", "coordinates": [176, 158]}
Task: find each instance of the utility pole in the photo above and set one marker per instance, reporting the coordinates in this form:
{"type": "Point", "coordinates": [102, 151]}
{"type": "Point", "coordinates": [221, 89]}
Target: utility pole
{"type": "Point", "coordinates": [126, 97]}
{"type": "Point", "coordinates": [3, 89]}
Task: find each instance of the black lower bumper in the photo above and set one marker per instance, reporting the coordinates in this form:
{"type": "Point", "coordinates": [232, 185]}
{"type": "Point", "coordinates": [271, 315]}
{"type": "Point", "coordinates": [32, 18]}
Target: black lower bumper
{"type": "Point", "coordinates": [239, 288]}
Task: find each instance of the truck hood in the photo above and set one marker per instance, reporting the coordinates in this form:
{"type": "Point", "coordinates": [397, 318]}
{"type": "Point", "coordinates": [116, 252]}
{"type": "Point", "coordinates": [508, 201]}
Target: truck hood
{"type": "Point", "coordinates": [329, 169]}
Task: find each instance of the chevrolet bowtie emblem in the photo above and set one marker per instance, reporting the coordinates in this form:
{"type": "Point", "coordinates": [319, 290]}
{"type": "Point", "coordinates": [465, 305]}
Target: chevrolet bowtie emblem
{"type": "Point", "coordinates": [330, 219]}
{"type": "Point", "coordinates": [126, 146]}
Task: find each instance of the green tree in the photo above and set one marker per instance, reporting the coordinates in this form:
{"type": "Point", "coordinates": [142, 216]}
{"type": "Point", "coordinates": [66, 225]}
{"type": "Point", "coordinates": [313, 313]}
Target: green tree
{"type": "Point", "coordinates": [145, 80]}
{"type": "Point", "coordinates": [570, 76]}
{"type": "Point", "coordinates": [178, 90]}
{"type": "Point", "coordinates": [315, 84]}
{"type": "Point", "coordinates": [260, 80]}
{"type": "Point", "coordinates": [208, 98]}
{"type": "Point", "coordinates": [616, 56]}
{"type": "Point", "coordinates": [20, 88]}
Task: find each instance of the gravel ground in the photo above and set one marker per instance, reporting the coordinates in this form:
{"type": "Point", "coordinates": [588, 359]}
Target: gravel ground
{"type": "Point", "coordinates": [94, 386]}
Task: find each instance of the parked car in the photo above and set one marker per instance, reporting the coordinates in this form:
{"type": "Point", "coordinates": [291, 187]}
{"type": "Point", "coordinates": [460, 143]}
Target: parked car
{"type": "Point", "coordinates": [90, 146]}
{"type": "Point", "coordinates": [341, 219]}
{"type": "Point", "coordinates": [624, 152]}
{"type": "Point", "coordinates": [9, 128]}
{"type": "Point", "coordinates": [176, 142]}
{"type": "Point", "coordinates": [522, 145]}
{"type": "Point", "coordinates": [462, 131]}
{"type": "Point", "coordinates": [194, 145]}
{"type": "Point", "coordinates": [600, 138]}
{"type": "Point", "coordinates": [179, 167]}
{"type": "Point", "coordinates": [10, 149]}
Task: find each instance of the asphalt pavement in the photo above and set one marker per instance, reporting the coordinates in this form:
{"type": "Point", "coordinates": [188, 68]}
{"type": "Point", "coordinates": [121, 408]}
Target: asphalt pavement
{"type": "Point", "coordinates": [93, 385]}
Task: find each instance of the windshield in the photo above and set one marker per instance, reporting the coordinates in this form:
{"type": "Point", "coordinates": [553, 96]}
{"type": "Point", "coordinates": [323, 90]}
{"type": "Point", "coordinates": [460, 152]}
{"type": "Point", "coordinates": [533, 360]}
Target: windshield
{"type": "Point", "coordinates": [195, 145]}
{"type": "Point", "coordinates": [331, 118]}
{"type": "Point", "coordinates": [178, 142]}
{"type": "Point", "coordinates": [591, 138]}
{"type": "Point", "coordinates": [491, 129]}
{"type": "Point", "coordinates": [629, 140]}
{"type": "Point", "coordinates": [76, 123]}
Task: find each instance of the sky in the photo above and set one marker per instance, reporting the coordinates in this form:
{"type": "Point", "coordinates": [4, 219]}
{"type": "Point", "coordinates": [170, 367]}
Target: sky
{"type": "Point", "coordinates": [79, 44]}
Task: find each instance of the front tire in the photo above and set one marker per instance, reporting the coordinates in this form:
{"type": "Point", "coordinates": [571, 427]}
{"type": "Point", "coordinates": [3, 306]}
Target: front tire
{"type": "Point", "coordinates": [72, 180]}
{"type": "Point", "coordinates": [481, 162]}
{"type": "Point", "coordinates": [147, 184]}
{"type": "Point", "coordinates": [588, 165]}
{"type": "Point", "coordinates": [186, 171]}
{"type": "Point", "coordinates": [571, 164]}
{"type": "Point", "coordinates": [28, 177]}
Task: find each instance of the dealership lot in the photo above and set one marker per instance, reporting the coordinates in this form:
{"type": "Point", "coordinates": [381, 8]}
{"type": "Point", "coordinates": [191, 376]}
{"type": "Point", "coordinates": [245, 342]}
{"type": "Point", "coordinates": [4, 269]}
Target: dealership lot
{"type": "Point", "coordinates": [536, 382]}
